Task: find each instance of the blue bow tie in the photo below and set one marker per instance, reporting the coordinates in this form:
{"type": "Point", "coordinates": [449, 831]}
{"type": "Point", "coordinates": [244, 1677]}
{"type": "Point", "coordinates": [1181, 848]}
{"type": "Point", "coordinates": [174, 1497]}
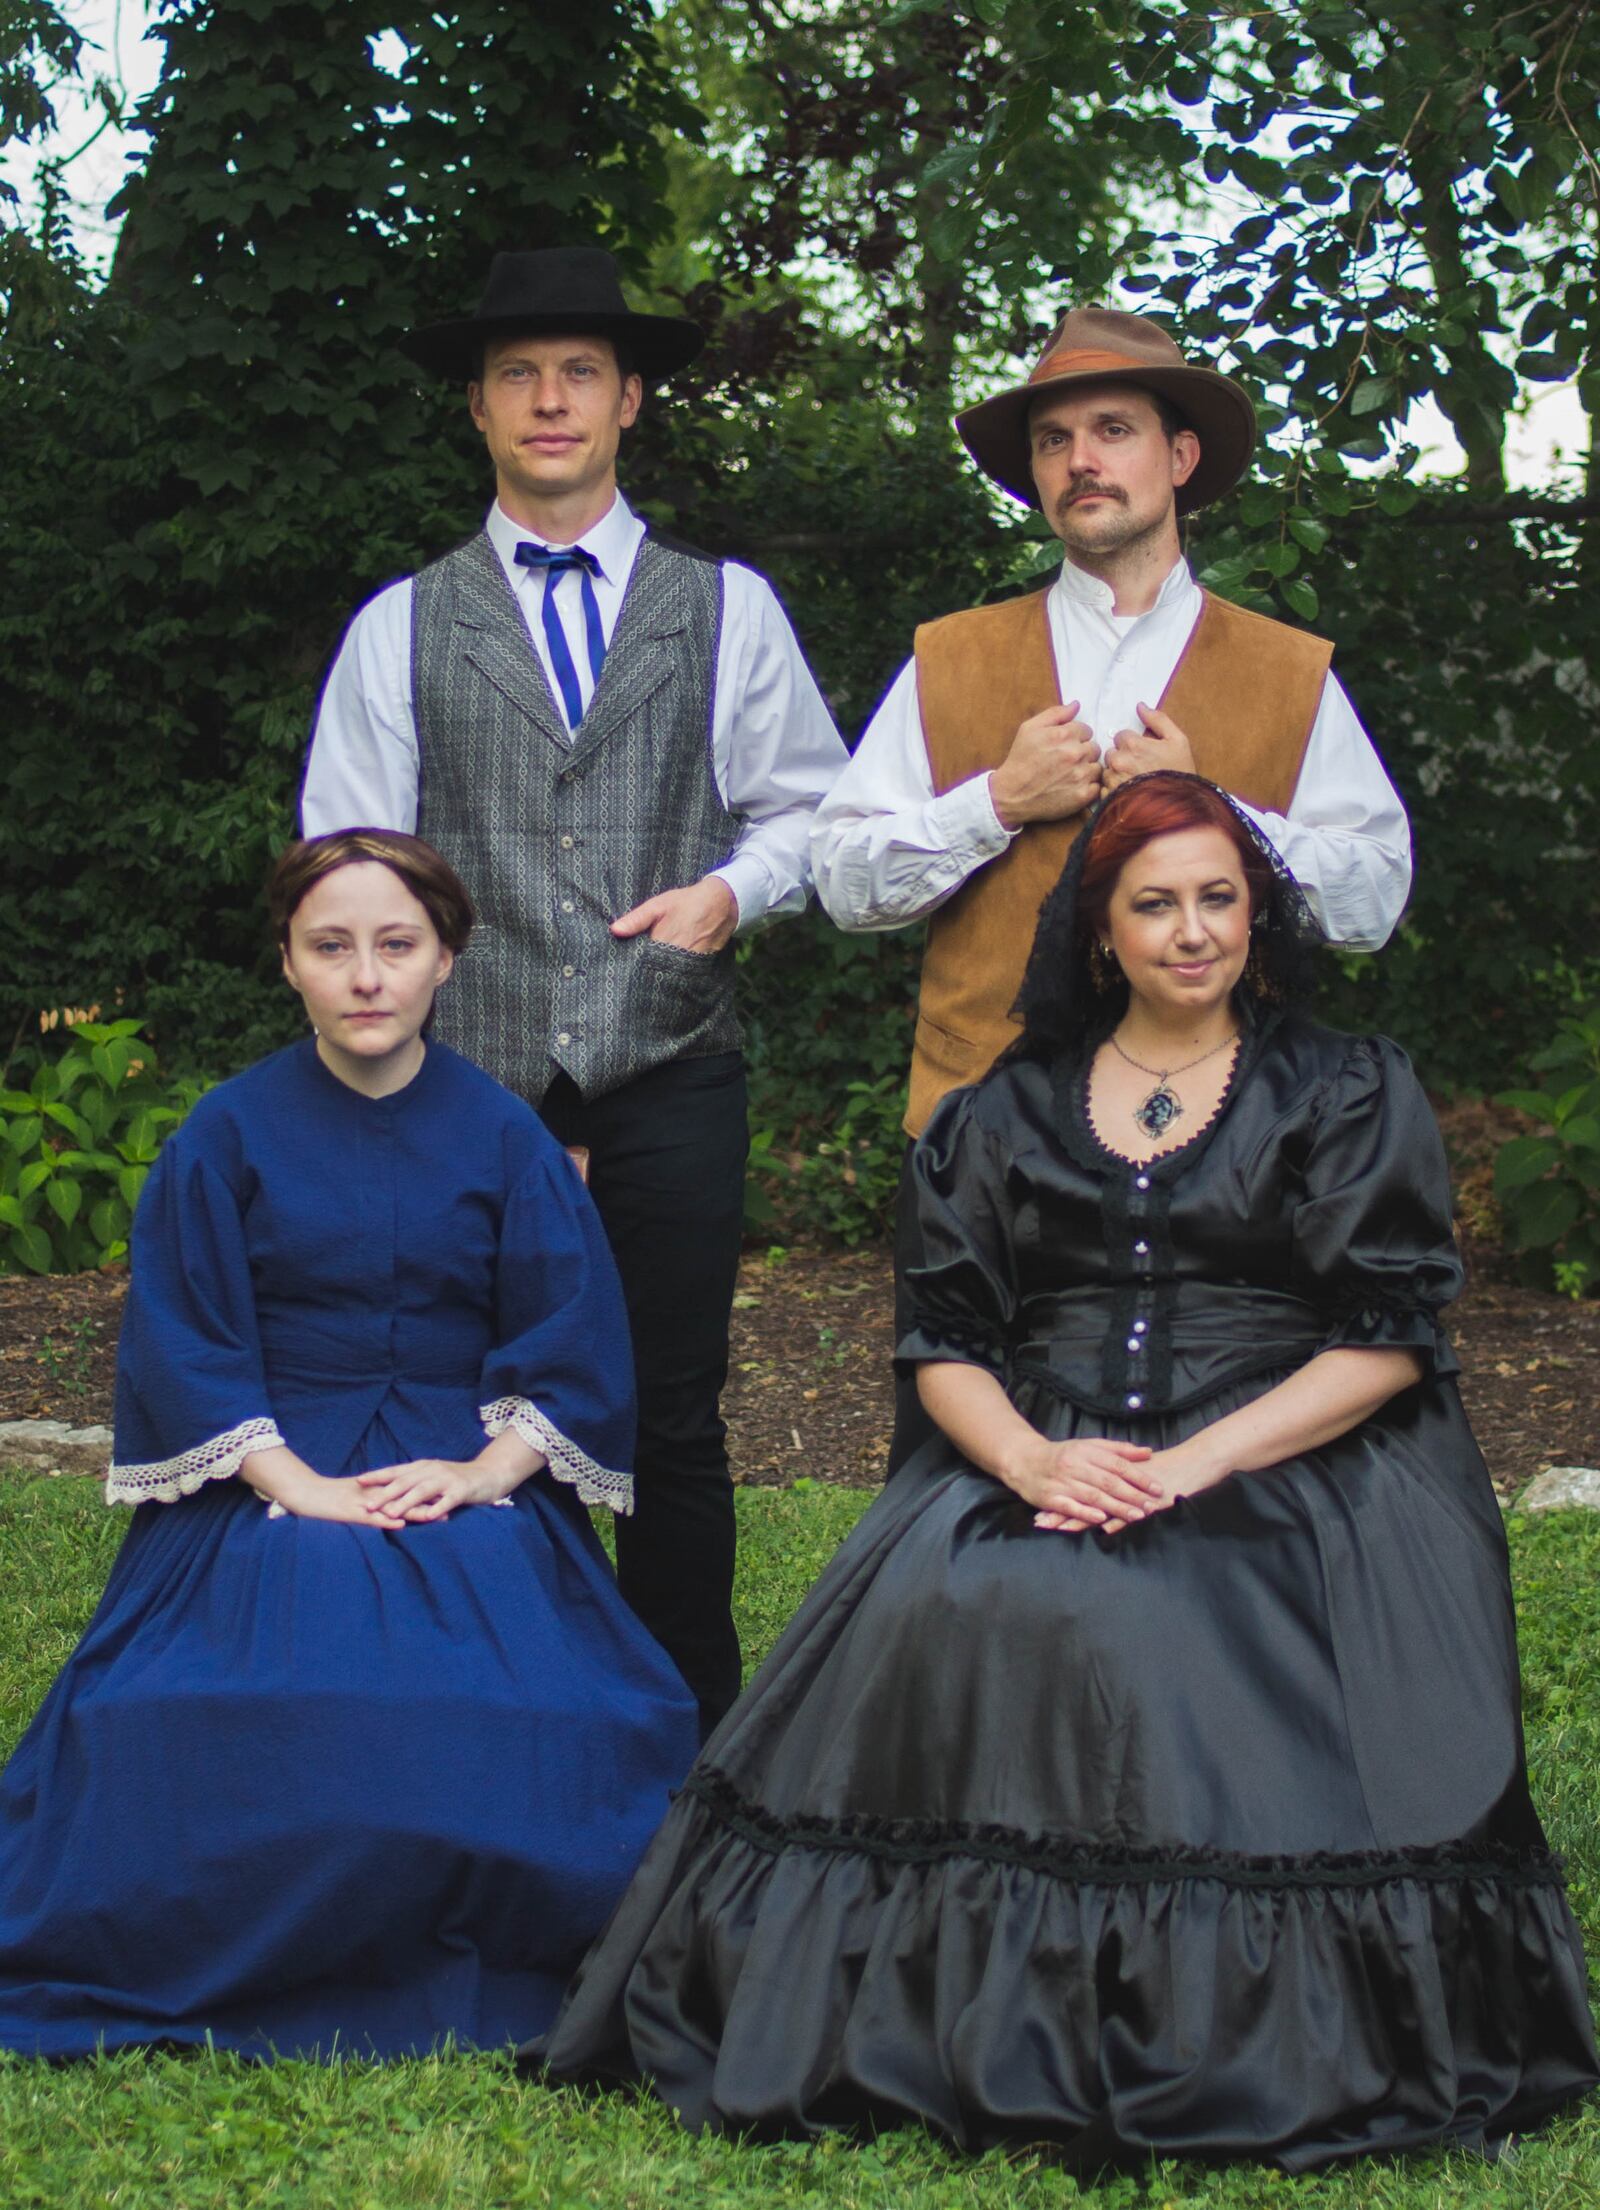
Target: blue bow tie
{"type": "Point", "coordinates": [556, 565]}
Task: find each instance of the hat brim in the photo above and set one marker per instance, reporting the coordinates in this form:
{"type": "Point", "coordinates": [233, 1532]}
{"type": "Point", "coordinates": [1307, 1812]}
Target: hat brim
{"type": "Point", "coordinates": [995, 432]}
{"type": "Point", "coordinates": [657, 344]}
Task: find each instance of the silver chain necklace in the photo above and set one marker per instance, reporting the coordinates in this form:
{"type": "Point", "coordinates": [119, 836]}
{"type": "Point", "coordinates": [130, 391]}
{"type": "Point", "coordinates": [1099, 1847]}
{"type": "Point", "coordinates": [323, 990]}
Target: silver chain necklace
{"type": "Point", "coordinates": [1156, 1111]}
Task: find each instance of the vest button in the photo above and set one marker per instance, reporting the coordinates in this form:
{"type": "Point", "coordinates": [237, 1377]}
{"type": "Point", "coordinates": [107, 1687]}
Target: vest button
{"type": "Point", "coordinates": [566, 905]}
{"type": "Point", "coordinates": [569, 972]}
{"type": "Point", "coordinates": [1142, 1249]}
{"type": "Point", "coordinates": [1134, 1402]}
{"type": "Point", "coordinates": [1140, 1181]}
{"type": "Point", "coordinates": [566, 844]}
{"type": "Point", "coordinates": [1134, 1343]}
{"type": "Point", "coordinates": [564, 1038]}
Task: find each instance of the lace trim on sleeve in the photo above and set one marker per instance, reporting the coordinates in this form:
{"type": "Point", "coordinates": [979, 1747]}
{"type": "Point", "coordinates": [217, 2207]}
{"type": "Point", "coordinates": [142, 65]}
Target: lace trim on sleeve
{"type": "Point", "coordinates": [595, 1484]}
{"type": "Point", "coordinates": [168, 1480]}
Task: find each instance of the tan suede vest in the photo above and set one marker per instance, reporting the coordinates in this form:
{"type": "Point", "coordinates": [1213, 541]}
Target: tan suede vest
{"type": "Point", "coordinates": [1245, 693]}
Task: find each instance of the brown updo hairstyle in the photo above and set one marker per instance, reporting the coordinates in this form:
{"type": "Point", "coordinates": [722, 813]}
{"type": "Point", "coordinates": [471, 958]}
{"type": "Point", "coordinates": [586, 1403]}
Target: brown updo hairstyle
{"type": "Point", "coordinates": [432, 881]}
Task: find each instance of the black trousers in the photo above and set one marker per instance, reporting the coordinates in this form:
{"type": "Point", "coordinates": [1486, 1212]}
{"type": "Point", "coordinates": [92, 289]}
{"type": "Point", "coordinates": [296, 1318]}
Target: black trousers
{"type": "Point", "coordinates": [666, 1172]}
{"type": "Point", "coordinates": [912, 1426]}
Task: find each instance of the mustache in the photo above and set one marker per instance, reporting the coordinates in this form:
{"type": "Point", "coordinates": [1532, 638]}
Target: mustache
{"type": "Point", "coordinates": [1080, 484]}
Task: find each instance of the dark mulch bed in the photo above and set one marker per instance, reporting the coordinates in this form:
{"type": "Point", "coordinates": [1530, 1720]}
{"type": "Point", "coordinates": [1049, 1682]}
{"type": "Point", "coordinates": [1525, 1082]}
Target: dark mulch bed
{"type": "Point", "coordinates": [58, 1345]}
{"type": "Point", "coordinates": [809, 1390]}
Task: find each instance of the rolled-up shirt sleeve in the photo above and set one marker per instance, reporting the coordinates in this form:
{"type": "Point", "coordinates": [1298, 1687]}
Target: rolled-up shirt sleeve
{"type": "Point", "coordinates": [1345, 837]}
{"type": "Point", "coordinates": [361, 767]}
{"type": "Point", "coordinates": [885, 850]}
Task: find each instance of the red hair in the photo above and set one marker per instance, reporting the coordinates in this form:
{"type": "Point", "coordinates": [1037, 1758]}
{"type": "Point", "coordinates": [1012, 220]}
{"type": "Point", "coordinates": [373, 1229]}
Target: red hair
{"type": "Point", "coordinates": [1160, 805]}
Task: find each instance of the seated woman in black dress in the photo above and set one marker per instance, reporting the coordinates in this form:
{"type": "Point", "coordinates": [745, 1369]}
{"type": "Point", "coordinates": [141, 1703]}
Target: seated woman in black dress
{"type": "Point", "coordinates": [362, 1744]}
{"type": "Point", "coordinates": [1146, 1771]}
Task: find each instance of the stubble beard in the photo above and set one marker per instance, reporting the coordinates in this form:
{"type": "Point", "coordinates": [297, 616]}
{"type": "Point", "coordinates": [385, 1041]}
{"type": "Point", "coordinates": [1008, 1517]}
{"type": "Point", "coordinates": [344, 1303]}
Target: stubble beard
{"type": "Point", "coordinates": [1108, 536]}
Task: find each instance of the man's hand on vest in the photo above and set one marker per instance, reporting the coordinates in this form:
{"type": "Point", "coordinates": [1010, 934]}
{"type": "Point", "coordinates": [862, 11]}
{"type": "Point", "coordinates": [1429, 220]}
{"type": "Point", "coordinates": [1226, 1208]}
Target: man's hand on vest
{"type": "Point", "coordinates": [698, 918]}
{"type": "Point", "coordinates": [1159, 744]}
{"type": "Point", "coordinates": [1051, 771]}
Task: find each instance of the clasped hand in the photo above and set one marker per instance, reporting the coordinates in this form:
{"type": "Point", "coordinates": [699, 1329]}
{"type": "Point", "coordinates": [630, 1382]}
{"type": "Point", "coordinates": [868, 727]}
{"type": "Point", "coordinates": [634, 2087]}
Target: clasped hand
{"type": "Point", "coordinates": [1096, 1483]}
{"type": "Point", "coordinates": [428, 1488]}
{"type": "Point", "coordinates": [391, 1496]}
{"type": "Point", "coordinates": [1054, 768]}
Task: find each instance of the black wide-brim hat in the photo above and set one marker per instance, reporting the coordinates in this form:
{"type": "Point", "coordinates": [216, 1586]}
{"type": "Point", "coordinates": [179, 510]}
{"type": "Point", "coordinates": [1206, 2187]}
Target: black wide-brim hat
{"type": "Point", "coordinates": [553, 291]}
{"type": "Point", "coordinates": [1099, 345]}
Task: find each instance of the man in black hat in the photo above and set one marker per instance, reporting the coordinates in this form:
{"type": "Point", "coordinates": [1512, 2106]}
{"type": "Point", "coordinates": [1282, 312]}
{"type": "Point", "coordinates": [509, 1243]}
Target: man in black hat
{"type": "Point", "coordinates": [1010, 720]}
{"type": "Point", "coordinates": [616, 740]}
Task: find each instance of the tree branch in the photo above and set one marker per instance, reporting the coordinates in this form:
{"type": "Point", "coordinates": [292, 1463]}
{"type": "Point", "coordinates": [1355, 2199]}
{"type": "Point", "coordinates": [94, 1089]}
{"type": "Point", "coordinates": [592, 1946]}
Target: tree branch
{"type": "Point", "coordinates": [858, 544]}
{"type": "Point", "coordinates": [1476, 515]}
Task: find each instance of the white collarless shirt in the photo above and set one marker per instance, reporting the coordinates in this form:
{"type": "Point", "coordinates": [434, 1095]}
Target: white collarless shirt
{"type": "Point", "coordinates": [885, 850]}
{"type": "Point", "coordinates": [774, 748]}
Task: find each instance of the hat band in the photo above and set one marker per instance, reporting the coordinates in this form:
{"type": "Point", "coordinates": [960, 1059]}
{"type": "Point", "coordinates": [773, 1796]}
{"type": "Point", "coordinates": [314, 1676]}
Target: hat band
{"type": "Point", "coordinates": [1089, 361]}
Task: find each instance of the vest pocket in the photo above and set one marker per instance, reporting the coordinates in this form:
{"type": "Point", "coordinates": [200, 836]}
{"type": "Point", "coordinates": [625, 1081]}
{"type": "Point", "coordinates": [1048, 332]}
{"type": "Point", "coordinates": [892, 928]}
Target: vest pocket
{"type": "Point", "coordinates": [684, 995]}
{"type": "Point", "coordinates": [956, 1059]}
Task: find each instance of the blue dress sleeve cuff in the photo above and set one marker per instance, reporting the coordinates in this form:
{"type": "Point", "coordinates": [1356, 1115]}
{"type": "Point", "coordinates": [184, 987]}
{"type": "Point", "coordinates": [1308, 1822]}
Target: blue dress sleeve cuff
{"type": "Point", "coordinates": [595, 1483]}
{"type": "Point", "coordinates": [168, 1480]}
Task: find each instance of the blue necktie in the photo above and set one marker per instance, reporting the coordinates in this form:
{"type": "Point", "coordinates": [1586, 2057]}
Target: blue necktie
{"type": "Point", "coordinates": [556, 564]}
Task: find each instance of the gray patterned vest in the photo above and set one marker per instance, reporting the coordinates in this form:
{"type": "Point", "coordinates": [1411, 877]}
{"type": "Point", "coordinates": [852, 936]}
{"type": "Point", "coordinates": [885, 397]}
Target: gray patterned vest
{"type": "Point", "coordinates": [555, 835]}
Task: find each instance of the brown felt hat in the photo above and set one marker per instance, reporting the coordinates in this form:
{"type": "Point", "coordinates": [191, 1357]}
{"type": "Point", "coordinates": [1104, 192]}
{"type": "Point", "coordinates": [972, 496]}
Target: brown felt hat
{"type": "Point", "coordinates": [554, 291]}
{"type": "Point", "coordinates": [1098, 345]}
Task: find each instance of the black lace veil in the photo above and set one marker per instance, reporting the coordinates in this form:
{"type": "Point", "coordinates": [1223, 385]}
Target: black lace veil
{"type": "Point", "coordinates": [1069, 1000]}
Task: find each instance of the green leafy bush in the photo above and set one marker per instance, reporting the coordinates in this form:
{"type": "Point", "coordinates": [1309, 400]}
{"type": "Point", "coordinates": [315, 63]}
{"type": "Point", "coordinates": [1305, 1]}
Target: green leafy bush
{"type": "Point", "coordinates": [76, 1145]}
{"type": "Point", "coordinates": [828, 1024]}
{"type": "Point", "coordinates": [844, 1184]}
{"type": "Point", "coordinates": [1548, 1184]}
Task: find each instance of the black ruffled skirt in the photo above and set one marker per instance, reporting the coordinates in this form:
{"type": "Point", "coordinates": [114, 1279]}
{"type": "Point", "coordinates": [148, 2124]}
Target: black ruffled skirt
{"type": "Point", "coordinates": [1212, 1838]}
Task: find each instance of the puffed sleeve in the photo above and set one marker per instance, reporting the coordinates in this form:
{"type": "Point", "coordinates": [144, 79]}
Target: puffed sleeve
{"type": "Point", "coordinates": [191, 1396]}
{"type": "Point", "coordinates": [561, 1370]}
{"type": "Point", "coordinates": [1373, 1247]}
{"type": "Point", "coordinates": [961, 1281]}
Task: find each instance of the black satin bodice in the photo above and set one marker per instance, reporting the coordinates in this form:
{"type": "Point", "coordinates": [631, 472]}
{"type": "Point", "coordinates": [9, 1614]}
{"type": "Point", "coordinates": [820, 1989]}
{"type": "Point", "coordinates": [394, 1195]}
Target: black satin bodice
{"type": "Point", "coordinates": [1206, 1836]}
{"type": "Point", "coordinates": [1311, 1211]}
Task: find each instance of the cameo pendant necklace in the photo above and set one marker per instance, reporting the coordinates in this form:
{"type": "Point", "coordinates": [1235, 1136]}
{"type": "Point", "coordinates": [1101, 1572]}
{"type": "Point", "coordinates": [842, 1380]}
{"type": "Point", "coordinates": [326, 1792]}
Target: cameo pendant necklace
{"type": "Point", "coordinates": [1160, 1107]}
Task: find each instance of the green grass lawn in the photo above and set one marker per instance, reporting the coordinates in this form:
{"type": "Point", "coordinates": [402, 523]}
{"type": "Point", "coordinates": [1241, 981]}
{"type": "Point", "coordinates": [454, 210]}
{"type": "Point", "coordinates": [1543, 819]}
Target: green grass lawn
{"type": "Point", "coordinates": [185, 2132]}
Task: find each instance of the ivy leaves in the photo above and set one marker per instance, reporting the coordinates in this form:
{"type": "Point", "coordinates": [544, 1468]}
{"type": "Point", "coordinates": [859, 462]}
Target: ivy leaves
{"type": "Point", "coordinates": [215, 459]}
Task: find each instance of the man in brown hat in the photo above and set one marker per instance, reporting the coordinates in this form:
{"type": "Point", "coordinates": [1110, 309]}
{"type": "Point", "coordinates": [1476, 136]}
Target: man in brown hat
{"type": "Point", "coordinates": [1009, 721]}
{"type": "Point", "coordinates": [618, 744]}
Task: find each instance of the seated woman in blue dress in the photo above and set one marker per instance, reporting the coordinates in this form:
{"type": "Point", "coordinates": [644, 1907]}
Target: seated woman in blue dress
{"type": "Point", "coordinates": [1146, 1771]}
{"type": "Point", "coordinates": [361, 1745]}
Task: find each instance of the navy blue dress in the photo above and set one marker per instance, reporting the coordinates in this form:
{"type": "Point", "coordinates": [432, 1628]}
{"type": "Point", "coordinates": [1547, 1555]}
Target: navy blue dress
{"type": "Point", "coordinates": [314, 1788]}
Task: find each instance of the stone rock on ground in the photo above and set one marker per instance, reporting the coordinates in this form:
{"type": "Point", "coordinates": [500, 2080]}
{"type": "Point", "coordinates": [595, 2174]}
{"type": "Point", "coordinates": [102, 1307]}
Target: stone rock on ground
{"type": "Point", "coordinates": [809, 1391]}
{"type": "Point", "coordinates": [1563, 1488]}
{"type": "Point", "coordinates": [55, 1447]}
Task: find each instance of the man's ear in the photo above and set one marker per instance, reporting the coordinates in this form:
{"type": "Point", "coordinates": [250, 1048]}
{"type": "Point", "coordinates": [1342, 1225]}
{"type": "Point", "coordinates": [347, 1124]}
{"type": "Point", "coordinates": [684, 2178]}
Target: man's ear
{"type": "Point", "coordinates": [1185, 456]}
{"type": "Point", "coordinates": [475, 402]}
{"type": "Point", "coordinates": [632, 400]}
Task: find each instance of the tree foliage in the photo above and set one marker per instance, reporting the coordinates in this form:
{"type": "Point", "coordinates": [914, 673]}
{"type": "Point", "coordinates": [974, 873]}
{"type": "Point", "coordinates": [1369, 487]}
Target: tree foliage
{"type": "Point", "coordinates": [878, 211]}
{"type": "Point", "coordinates": [222, 452]}
{"type": "Point", "coordinates": [1354, 208]}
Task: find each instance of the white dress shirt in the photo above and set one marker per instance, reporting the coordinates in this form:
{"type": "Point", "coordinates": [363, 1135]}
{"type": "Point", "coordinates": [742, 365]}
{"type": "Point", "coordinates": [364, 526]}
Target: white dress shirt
{"type": "Point", "coordinates": [774, 749]}
{"type": "Point", "coordinates": [885, 850]}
